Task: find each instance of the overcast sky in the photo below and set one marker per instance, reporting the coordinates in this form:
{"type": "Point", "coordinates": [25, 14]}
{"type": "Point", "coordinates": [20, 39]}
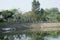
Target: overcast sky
{"type": "Point", "coordinates": [25, 5]}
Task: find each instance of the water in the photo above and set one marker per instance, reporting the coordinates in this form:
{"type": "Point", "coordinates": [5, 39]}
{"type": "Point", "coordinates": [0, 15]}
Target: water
{"type": "Point", "coordinates": [29, 35]}
{"type": "Point", "coordinates": [51, 38]}
{"type": "Point", "coordinates": [18, 37]}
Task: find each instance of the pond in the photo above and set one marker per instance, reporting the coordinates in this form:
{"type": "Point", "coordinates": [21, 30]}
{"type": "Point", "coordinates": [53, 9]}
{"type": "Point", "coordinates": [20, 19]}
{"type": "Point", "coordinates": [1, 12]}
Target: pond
{"type": "Point", "coordinates": [30, 35]}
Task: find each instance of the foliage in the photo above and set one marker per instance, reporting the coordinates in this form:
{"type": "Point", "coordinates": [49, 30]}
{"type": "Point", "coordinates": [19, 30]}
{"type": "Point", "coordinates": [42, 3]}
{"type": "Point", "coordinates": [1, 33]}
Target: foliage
{"type": "Point", "coordinates": [7, 14]}
{"type": "Point", "coordinates": [37, 14]}
{"type": "Point", "coordinates": [52, 14]}
{"type": "Point", "coordinates": [35, 9]}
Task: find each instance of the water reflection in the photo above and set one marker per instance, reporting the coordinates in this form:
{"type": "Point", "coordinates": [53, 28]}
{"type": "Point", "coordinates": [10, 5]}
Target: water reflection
{"type": "Point", "coordinates": [51, 38]}
{"type": "Point", "coordinates": [20, 36]}
{"type": "Point", "coordinates": [15, 37]}
{"type": "Point", "coordinates": [30, 36]}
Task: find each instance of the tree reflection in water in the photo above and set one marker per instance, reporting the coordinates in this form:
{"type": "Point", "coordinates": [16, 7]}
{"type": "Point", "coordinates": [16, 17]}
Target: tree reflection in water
{"type": "Point", "coordinates": [27, 35]}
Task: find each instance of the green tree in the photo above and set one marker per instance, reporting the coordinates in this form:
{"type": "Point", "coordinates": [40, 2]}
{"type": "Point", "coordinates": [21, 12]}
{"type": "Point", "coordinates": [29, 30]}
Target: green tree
{"type": "Point", "coordinates": [35, 9]}
{"type": "Point", "coordinates": [1, 17]}
{"type": "Point", "coordinates": [42, 15]}
{"type": "Point", "coordinates": [17, 15]}
{"type": "Point", "coordinates": [35, 6]}
{"type": "Point", "coordinates": [7, 14]}
{"type": "Point", "coordinates": [52, 14]}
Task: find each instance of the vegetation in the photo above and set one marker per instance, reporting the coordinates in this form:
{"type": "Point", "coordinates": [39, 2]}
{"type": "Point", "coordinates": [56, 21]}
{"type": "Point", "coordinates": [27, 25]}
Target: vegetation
{"type": "Point", "coordinates": [37, 14]}
{"type": "Point", "coordinates": [34, 35]}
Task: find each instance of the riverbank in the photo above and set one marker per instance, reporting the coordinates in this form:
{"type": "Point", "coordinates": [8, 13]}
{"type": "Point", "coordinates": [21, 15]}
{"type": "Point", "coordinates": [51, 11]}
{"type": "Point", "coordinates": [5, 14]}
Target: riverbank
{"type": "Point", "coordinates": [45, 27]}
{"type": "Point", "coordinates": [32, 26]}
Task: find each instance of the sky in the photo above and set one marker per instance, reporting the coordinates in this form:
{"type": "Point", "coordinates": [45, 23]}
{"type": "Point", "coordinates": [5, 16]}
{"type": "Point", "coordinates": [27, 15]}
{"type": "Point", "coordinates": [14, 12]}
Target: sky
{"type": "Point", "coordinates": [26, 5]}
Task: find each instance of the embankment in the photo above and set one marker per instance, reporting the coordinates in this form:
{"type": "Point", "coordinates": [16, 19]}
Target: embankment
{"type": "Point", "coordinates": [33, 26]}
{"type": "Point", "coordinates": [45, 27]}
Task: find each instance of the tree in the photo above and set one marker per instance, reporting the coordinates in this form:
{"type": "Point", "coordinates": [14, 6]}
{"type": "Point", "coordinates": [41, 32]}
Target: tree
{"type": "Point", "coordinates": [17, 15]}
{"type": "Point", "coordinates": [1, 17]}
{"type": "Point", "coordinates": [35, 6]}
{"type": "Point", "coordinates": [42, 15]}
{"type": "Point", "coordinates": [52, 14]}
{"type": "Point", "coordinates": [7, 14]}
{"type": "Point", "coordinates": [35, 9]}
